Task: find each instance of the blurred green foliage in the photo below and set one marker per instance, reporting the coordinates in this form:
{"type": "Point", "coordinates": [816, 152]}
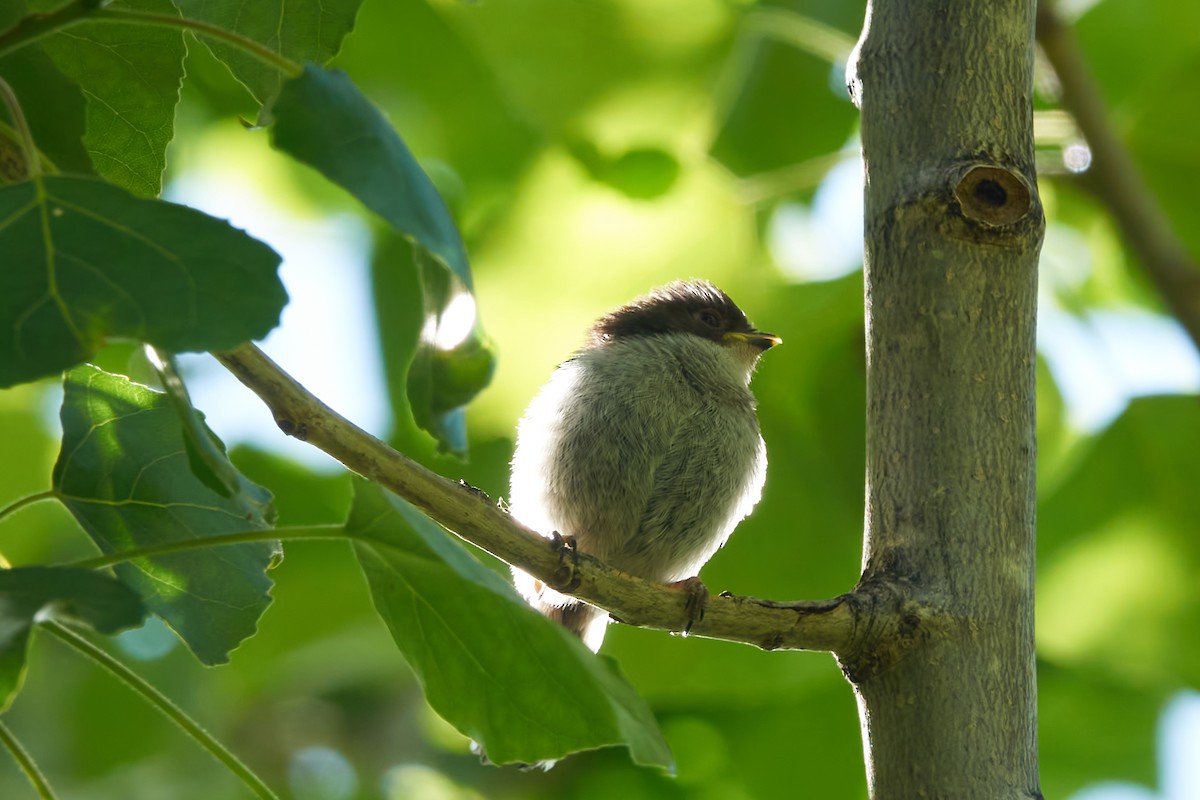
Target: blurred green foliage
{"type": "Point", "coordinates": [590, 150]}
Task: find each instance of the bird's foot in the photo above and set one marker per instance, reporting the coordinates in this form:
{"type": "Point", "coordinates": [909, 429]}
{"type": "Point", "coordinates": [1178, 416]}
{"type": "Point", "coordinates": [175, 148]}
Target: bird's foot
{"type": "Point", "coordinates": [695, 601]}
{"type": "Point", "coordinates": [566, 574]}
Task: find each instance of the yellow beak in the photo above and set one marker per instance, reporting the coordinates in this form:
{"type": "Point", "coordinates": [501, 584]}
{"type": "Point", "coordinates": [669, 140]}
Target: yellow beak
{"type": "Point", "coordinates": [763, 341]}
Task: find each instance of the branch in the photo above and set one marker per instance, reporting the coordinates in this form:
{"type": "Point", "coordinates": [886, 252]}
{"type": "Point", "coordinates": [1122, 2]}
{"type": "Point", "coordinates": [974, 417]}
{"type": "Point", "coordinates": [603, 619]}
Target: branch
{"type": "Point", "coordinates": [1115, 181]}
{"type": "Point", "coordinates": [806, 625]}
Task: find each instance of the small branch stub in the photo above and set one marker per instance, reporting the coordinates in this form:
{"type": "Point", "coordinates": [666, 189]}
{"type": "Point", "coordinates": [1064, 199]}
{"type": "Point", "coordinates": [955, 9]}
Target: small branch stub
{"type": "Point", "coordinates": [993, 196]}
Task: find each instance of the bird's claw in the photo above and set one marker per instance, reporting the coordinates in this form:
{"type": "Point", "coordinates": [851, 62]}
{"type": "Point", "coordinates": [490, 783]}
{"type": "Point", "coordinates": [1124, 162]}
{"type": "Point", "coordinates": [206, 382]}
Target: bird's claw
{"type": "Point", "coordinates": [566, 574]}
{"type": "Point", "coordinates": [695, 601]}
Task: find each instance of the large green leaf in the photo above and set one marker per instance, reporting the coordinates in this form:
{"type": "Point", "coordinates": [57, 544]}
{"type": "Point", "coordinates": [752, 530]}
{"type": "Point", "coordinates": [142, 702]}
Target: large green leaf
{"type": "Point", "coordinates": [302, 30]}
{"type": "Point", "coordinates": [324, 121]}
{"type": "Point", "coordinates": [442, 110]}
{"type": "Point", "coordinates": [521, 686]}
{"type": "Point", "coordinates": [85, 260]}
{"type": "Point", "coordinates": [27, 592]}
{"type": "Point", "coordinates": [130, 75]}
{"type": "Point", "coordinates": [124, 473]}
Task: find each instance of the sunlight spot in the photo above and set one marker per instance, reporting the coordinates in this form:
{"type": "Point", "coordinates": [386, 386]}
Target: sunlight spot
{"type": "Point", "coordinates": [149, 642]}
{"type": "Point", "coordinates": [1094, 600]}
{"type": "Point", "coordinates": [454, 325]}
{"type": "Point", "coordinates": [1077, 157]}
{"type": "Point", "coordinates": [415, 780]}
{"type": "Point", "coordinates": [327, 339]}
{"type": "Point", "coordinates": [321, 773]}
{"type": "Point", "coordinates": [1179, 747]}
{"type": "Point", "coordinates": [1103, 360]}
{"type": "Point", "coordinates": [824, 240]}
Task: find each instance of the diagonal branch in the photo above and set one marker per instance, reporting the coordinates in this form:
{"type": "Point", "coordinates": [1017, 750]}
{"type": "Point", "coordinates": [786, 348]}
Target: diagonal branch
{"type": "Point", "coordinates": [838, 625]}
{"type": "Point", "coordinates": [1114, 178]}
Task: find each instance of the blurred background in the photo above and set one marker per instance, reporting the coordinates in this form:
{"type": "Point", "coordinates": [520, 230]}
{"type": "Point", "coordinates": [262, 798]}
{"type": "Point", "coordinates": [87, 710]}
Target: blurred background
{"type": "Point", "coordinates": [590, 150]}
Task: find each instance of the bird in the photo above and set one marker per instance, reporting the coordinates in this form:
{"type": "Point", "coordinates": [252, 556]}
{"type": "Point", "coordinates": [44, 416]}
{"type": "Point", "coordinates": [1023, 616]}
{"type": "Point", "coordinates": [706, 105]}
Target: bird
{"type": "Point", "coordinates": [644, 447]}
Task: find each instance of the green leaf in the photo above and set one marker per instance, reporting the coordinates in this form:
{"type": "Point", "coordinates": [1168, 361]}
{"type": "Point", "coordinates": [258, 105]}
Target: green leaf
{"type": "Point", "coordinates": [516, 683]}
{"type": "Point", "coordinates": [780, 91]}
{"type": "Point", "coordinates": [124, 474]}
{"type": "Point", "coordinates": [85, 260]}
{"type": "Point", "coordinates": [80, 594]}
{"type": "Point", "coordinates": [302, 30]}
{"type": "Point", "coordinates": [324, 121]}
{"type": "Point", "coordinates": [443, 379]}
{"type": "Point", "coordinates": [642, 173]}
{"type": "Point", "coordinates": [53, 106]}
{"type": "Point", "coordinates": [131, 76]}
{"type": "Point", "coordinates": [206, 453]}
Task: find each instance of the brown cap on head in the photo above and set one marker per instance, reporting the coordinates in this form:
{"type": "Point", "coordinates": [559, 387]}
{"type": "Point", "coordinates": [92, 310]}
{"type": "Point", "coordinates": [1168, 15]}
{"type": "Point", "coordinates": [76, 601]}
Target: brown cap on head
{"type": "Point", "coordinates": [692, 306]}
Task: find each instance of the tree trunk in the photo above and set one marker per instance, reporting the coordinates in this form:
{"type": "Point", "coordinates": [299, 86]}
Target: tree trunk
{"type": "Point", "coordinates": [953, 230]}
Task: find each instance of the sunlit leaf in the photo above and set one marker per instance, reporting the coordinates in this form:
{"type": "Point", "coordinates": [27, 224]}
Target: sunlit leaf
{"type": "Point", "coordinates": [124, 474]}
{"type": "Point", "coordinates": [521, 686]}
{"type": "Point", "coordinates": [302, 30]}
{"type": "Point", "coordinates": [130, 75]}
{"type": "Point", "coordinates": [85, 260]}
{"type": "Point", "coordinates": [26, 593]}
{"type": "Point", "coordinates": [324, 121]}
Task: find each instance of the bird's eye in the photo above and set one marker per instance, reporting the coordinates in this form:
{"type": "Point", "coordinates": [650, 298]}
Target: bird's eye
{"type": "Point", "coordinates": [709, 318]}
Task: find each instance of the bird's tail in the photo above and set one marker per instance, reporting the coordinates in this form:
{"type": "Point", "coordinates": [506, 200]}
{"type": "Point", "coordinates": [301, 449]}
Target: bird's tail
{"type": "Point", "coordinates": [587, 622]}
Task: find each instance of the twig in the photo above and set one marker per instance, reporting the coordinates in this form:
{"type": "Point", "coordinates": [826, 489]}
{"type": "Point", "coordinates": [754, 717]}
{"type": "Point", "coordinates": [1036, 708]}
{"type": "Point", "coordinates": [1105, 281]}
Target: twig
{"type": "Point", "coordinates": [1114, 178]}
{"type": "Point", "coordinates": [9, 98]}
{"type": "Point", "coordinates": [807, 625]}
{"type": "Point", "coordinates": [164, 705]}
{"type": "Point", "coordinates": [28, 500]}
{"type": "Point", "coordinates": [26, 763]}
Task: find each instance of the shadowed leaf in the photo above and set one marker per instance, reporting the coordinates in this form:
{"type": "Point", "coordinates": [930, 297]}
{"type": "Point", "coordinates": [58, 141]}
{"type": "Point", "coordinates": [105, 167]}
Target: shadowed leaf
{"type": "Point", "coordinates": [513, 681]}
{"type": "Point", "coordinates": [302, 30]}
{"type": "Point", "coordinates": [53, 106]}
{"type": "Point", "coordinates": [27, 592]}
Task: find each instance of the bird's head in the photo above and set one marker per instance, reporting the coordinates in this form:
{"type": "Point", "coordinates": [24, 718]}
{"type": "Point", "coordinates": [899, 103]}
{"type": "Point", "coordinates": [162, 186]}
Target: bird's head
{"type": "Point", "coordinates": [692, 307]}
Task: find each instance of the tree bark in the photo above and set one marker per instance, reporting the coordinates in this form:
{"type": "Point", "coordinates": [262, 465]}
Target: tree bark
{"type": "Point", "coordinates": [953, 231]}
